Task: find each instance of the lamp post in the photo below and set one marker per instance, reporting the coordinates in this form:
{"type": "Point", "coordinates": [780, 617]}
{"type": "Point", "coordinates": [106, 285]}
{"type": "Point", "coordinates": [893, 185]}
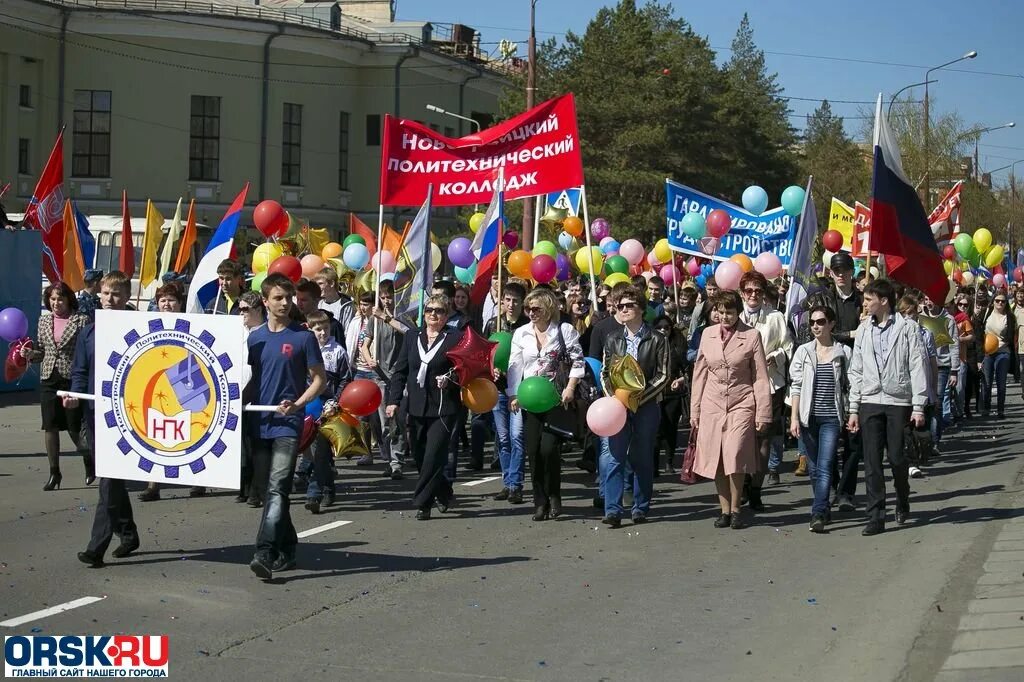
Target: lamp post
{"type": "Point", "coordinates": [927, 76]}
{"type": "Point", "coordinates": [531, 87]}
{"type": "Point", "coordinates": [445, 112]}
{"type": "Point", "coordinates": [1013, 201]}
{"type": "Point", "coordinates": [977, 136]}
{"type": "Point", "coordinates": [906, 87]}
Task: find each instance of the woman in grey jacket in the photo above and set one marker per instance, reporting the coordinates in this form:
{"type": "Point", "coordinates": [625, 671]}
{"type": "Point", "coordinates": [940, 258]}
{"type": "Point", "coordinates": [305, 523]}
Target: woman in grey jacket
{"type": "Point", "coordinates": [818, 394]}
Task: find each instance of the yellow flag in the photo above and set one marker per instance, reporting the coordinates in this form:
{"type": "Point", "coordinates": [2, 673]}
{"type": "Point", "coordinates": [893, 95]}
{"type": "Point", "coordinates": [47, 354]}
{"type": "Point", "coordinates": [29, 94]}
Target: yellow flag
{"type": "Point", "coordinates": [840, 219]}
{"type": "Point", "coordinates": [151, 242]}
{"type": "Point", "coordinates": [168, 251]}
{"type": "Point", "coordinates": [74, 266]}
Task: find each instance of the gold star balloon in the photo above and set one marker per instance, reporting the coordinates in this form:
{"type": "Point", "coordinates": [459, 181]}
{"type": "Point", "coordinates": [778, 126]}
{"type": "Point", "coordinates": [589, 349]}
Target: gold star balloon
{"type": "Point", "coordinates": [937, 326]}
{"type": "Point", "coordinates": [627, 380]}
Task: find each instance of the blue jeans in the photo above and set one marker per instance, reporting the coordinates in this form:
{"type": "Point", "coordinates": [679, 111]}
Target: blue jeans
{"type": "Point", "coordinates": [635, 444]}
{"type": "Point", "coordinates": [996, 367]}
{"type": "Point", "coordinates": [942, 391]}
{"type": "Point", "coordinates": [775, 453]}
{"type": "Point", "coordinates": [322, 480]}
{"type": "Point", "coordinates": [604, 460]}
{"type": "Point", "coordinates": [820, 438]}
{"type": "Point", "coordinates": [509, 430]}
{"type": "Point", "coordinates": [276, 535]}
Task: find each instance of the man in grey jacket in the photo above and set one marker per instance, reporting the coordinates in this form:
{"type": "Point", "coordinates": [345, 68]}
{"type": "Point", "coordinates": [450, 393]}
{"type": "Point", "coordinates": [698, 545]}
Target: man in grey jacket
{"type": "Point", "coordinates": [888, 388]}
{"type": "Point", "coordinates": [948, 358]}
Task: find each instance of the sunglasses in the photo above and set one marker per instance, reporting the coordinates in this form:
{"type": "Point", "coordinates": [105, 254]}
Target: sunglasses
{"type": "Point", "coordinates": [535, 309]}
{"type": "Point", "coordinates": [626, 306]}
{"type": "Point", "coordinates": [244, 308]}
{"type": "Point", "coordinates": [1000, 300]}
{"type": "Point", "coordinates": [435, 311]}
{"type": "Point", "coordinates": [819, 322]}
{"type": "Point", "coordinates": [750, 291]}
{"type": "Point", "coordinates": [962, 304]}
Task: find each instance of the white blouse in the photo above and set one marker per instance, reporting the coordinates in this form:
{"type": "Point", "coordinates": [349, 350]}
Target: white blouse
{"type": "Point", "coordinates": [526, 360]}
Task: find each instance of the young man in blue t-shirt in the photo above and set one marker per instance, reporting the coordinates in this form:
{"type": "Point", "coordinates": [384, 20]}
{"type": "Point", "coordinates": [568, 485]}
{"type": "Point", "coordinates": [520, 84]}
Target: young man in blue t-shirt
{"type": "Point", "coordinates": [282, 354]}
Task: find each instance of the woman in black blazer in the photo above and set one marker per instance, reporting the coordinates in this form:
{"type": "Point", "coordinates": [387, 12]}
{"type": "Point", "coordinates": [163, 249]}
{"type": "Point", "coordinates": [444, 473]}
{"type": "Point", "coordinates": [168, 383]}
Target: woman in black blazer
{"type": "Point", "coordinates": [434, 402]}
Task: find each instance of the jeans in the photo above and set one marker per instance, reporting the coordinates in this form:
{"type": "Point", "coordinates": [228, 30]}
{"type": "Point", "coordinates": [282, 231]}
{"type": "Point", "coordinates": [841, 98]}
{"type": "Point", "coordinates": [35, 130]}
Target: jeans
{"type": "Point", "coordinates": [996, 367]}
{"type": "Point", "coordinates": [322, 480]}
{"type": "Point", "coordinates": [276, 535]}
{"type": "Point", "coordinates": [635, 443]}
{"type": "Point", "coordinates": [941, 415]}
{"type": "Point", "coordinates": [509, 430]}
{"type": "Point", "coordinates": [604, 460]}
{"type": "Point", "coordinates": [775, 454]}
{"type": "Point", "coordinates": [820, 439]}
{"type": "Point", "coordinates": [882, 430]}
{"type": "Point", "coordinates": [961, 387]}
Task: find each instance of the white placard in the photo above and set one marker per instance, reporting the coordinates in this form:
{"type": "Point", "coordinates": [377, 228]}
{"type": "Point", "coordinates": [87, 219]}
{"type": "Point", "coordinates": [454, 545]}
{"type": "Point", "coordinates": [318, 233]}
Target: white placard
{"type": "Point", "coordinates": [169, 397]}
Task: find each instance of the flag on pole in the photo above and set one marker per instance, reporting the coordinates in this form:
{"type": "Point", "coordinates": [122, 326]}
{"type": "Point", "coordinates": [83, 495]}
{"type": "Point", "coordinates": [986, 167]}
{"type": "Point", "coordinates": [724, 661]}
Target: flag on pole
{"type": "Point", "coordinates": [126, 259]}
{"type": "Point", "coordinates": [945, 218]}
{"type": "Point", "coordinates": [85, 238]}
{"type": "Point", "coordinates": [418, 277]}
{"type": "Point", "coordinates": [188, 238]}
{"type": "Point", "coordinates": [485, 244]}
{"type": "Point", "coordinates": [150, 243]}
{"type": "Point", "coordinates": [899, 226]}
{"type": "Point", "coordinates": [203, 289]}
{"type": "Point", "coordinates": [45, 211]}
{"type": "Point", "coordinates": [172, 237]}
{"type": "Point", "coordinates": [357, 226]}
{"type": "Point", "coordinates": [74, 266]}
{"type": "Point", "coordinates": [802, 284]}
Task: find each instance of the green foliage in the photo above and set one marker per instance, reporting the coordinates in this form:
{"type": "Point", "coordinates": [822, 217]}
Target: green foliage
{"type": "Point", "coordinates": [840, 168]}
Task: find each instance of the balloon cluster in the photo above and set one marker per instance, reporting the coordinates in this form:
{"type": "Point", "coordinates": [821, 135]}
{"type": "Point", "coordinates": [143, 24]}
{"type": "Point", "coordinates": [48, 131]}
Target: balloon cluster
{"type": "Point", "coordinates": [14, 330]}
{"type": "Point", "coordinates": [341, 427]}
{"type": "Point", "coordinates": [967, 254]}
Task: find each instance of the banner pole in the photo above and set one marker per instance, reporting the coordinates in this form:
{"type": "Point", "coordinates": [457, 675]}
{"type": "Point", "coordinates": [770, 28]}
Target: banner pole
{"type": "Point", "coordinates": [590, 255]}
{"type": "Point", "coordinates": [675, 284]}
{"type": "Point", "coordinates": [536, 218]}
{"type": "Point", "coordinates": [380, 247]}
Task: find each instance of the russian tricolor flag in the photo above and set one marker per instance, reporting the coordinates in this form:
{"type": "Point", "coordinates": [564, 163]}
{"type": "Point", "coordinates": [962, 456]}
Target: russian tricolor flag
{"type": "Point", "coordinates": [486, 243]}
{"type": "Point", "coordinates": [204, 285]}
{"type": "Point", "coordinates": [899, 225]}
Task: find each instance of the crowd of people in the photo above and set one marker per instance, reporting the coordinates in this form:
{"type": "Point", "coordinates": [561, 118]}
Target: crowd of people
{"type": "Point", "coordinates": [864, 368]}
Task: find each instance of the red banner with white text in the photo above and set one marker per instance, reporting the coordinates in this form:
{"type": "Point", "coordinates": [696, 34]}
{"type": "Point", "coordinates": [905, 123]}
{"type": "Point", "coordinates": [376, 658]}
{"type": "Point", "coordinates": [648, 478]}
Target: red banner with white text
{"type": "Point", "coordinates": [539, 151]}
{"type": "Point", "coordinates": [862, 231]}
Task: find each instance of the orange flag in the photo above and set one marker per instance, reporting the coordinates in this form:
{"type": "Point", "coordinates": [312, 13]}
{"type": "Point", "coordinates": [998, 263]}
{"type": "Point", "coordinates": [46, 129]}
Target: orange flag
{"type": "Point", "coordinates": [357, 226]}
{"type": "Point", "coordinates": [74, 265]}
{"type": "Point", "coordinates": [393, 240]}
{"type": "Point", "coordinates": [188, 238]}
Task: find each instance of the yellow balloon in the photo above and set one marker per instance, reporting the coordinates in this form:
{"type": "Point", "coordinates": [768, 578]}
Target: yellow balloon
{"type": "Point", "coordinates": [264, 255]}
{"type": "Point", "coordinates": [435, 256]}
{"type": "Point", "coordinates": [994, 256]}
{"type": "Point", "coordinates": [475, 221]}
{"type": "Point", "coordinates": [593, 260]}
{"type": "Point", "coordinates": [982, 239]}
{"type": "Point", "coordinates": [616, 278]}
{"type": "Point", "coordinates": [947, 265]}
{"type": "Point", "coordinates": [662, 251]}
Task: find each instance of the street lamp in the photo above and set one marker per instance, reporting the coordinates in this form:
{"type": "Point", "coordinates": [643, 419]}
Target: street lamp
{"type": "Point", "coordinates": [906, 87]}
{"type": "Point", "coordinates": [445, 112]}
{"type": "Point", "coordinates": [976, 134]}
{"type": "Point", "coordinates": [1013, 201]}
{"type": "Point", "coordinates": [927, 76]}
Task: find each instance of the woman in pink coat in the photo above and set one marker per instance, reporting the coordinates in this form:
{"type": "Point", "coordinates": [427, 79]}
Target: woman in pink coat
{"type": "Point", "coordinates": [731, 401]}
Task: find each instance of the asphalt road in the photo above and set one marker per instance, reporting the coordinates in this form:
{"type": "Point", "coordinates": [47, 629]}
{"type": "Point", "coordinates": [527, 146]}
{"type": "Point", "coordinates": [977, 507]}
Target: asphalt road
{"type": "Point", "coordinates": [486, 593]}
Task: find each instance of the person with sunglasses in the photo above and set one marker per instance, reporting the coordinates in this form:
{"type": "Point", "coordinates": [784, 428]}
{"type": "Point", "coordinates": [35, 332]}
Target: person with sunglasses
{"type": "Point", "coordinates": [818, 397]}
{"type": "Point", "coordinates": [968, 379]}
{"type": "Point", "coordinates": [949, 368]}
{"type": "Point", "coordinates": [919, 442]}
{"type": "Point", "coordinates": [1018, 319]}
{"type": "Point", "coordinates": [434, 402]}
{"type": "Point", "coordinates": [998, 323]}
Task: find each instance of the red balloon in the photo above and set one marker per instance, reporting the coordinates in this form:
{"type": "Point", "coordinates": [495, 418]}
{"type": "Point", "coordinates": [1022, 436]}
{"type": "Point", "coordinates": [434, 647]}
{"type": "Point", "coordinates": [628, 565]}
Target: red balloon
{"type": "Point", "coordinates": [361, 397]}
{"type": "Point", "coordinates": [310, 428]}
{"type": "Point", "coordinates": [958, 276]}
{"type": "Point", "coordinates": [1018, 274]}
{"type": "Point", "coordinates": [472, 356]}
{"type": "Point", "coordinates": [718, 223]}
{"type": "Point", "coordinates": [270, 217]}
{"type": "Point", "coordinates": [998, 270]}
{"type": "Point", "coordinates": [289, 266]}
{"type": "Point", "coordinates": [543, 268]}
{"type": "Point", "coordinates": [949, 252]}
{"type": "Point", "coordinates": [832, 240]}
{"type": "Point", "coordinates": [15, 366]}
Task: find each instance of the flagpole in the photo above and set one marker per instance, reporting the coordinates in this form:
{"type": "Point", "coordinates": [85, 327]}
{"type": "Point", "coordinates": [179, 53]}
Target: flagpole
{"type": "Point", "coordinates": [536, 219]}
{"type": "Point", "coordinates": [380, 246]}
{"type": "Point", "coordinates": [586, 231]}
{"type": "Point", "coordinates": [425, 265]}
{"type": "Point", "coordinates": [675, 285]}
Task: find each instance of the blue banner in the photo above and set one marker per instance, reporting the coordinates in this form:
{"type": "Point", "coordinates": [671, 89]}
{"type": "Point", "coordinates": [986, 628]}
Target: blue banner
{"type": "Point", "coordinates": [750, 234]}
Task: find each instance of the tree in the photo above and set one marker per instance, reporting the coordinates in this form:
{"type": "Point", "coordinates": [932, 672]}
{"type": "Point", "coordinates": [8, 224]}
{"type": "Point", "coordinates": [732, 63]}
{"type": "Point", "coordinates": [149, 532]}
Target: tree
{"type": "Point", "coordinates": [839, 166]}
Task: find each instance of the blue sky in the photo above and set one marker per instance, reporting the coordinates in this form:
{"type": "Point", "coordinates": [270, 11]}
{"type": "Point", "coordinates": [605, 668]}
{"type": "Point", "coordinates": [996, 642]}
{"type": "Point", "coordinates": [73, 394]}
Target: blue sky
{"type": "Point", "coordinates": [908, 35]}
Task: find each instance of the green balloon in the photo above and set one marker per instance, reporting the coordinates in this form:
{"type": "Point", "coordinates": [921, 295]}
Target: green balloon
{"type": "Point", "coordinates": [964, 245]}
{"type": "Point", "coordinates": [537, 394]}
{"type": "Point", "coordinates": [257, 281]}
{"type": "Point", "coordinates": [616, 264]}
{"type": "Point", "coordinates": [504, 349]}
{"type": "Point", "coordinates": [545, 247]}
{"type": "Point", "coordinates": [353, 239]}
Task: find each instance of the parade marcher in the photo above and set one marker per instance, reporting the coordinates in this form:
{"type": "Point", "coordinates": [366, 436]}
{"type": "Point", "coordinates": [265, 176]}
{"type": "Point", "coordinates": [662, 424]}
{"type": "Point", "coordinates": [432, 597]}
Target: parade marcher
{"type": "Point", "coordinates": [384, 347]}
{"type": "Point", "coordinates": [686, 307]}
{"type": "Point", "coordinates": [918, 442]}
{"type": "Point", "coordinates": [358, 339]}
{"type": "Point", "coordinates": [231, 282]}
{"type": "Point", "coordinates": [655, 296]}
{"type": "Point", "coordinates": [674, 398]}
{"type": "Point", "coordinates": [339, 305]}
{"type": "Point", "coordinates": [1003, 326]}
{"type": "Point", "coordinates": [967, 382]}
{"type": "Point", "coordinates": [710, 289]}
{"type": "Point", "coordinates": [1018, 321]}
{"type": "Point", "coordinates": [89, 297]}
{"type": "Point", "coordinates": [307, 300]}
{"type": "Point", "coordinates": [949, 368]}
{"type": "Point", "coordinates": [979, 315]}
{"type": "Point", "coordinates": [254, 472]}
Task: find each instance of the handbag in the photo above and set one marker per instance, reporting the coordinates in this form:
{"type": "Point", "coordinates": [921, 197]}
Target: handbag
{"type": "Point", "coordinates": [586, 389]}
{"type": "Point", "coordinates": [569, 422]}
{"type": "Point", "coordinates": [686, 475]}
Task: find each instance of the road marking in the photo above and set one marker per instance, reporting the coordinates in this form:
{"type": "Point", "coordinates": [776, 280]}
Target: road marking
{"type": "Point", "coordinates": [481, 481]}
{"type": "Point", "coordinates": [320, 529]}
{"type": "Point", "coordinates": [52, 611]}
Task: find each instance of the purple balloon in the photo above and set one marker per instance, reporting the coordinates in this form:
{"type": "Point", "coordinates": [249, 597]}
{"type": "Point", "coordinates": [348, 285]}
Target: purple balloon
{"type": "Point", "coordinates": [460, 252]}
{"type": "Point", "coordinates": [599, 229]}
{"type": "Point", "coordinates": [13, 324]}
{"type": "Point", "coordinates": [510, 239]}
{"type": "Point", "coordinates": [562, 262]}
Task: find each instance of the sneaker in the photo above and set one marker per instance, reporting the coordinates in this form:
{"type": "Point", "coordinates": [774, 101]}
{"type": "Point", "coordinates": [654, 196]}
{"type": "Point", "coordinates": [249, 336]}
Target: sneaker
{"type": "Point", "coordinates": [283, 563]}
{"type": "Point", "coordinates": [364, 461]}
{"type": "Point", "coordinates": [397, 475]}
{"type": "Point", "coordinates": [503, 495]}
{"type": "Point", "coordinates": [313, 505]}
{"type": "Point", "coordinates": [773, 478]}
{"type": "Point", "coordinates": [916, 473]}
{"type": "Point", "coordinates": [818, 523]}
{"type": "Point", "coordinates": [515, 496]}
{"type": "Point", "coordinates": [612, 520]}
{"type": "Point", "coordinates": [328, 498]}
{"type": "Point", "coordinates": [846, 503]}
{"type": "Point", "coordinates": [262, 566]}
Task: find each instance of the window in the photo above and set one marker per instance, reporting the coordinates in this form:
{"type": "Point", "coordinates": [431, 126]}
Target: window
{"type": "Point", "coordinates": [23, 166]}
{"type": "Point", "coordinates": [204, 139]}
{"type": "Point", "coordinates": [343, 151]}
{"type": "Point", "coordinates": [25, 96]}
{"type": "Point", "coordinates": [291, 145]}
{"type": "Point", "coordinates": [90, 154]}
{"type": "Point", "coordinates": [436, 128]}
{"type": "Point", "coordinates": [373, 130]}
{"type": "Point", "coordinates": [449, 131]}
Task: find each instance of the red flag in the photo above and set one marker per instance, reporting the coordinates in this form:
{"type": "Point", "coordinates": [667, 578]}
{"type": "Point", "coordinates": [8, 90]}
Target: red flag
{"type": "Point", "coordinates": [945, 218]}
{"type": "Point", "coordinates": [45, 211]}
{"type": "Point", "coordinates": [126, 261]}
{"type": "Point", "coordinates": [187, 240]}
{"type": "Point", "coordinates": [357, 226]}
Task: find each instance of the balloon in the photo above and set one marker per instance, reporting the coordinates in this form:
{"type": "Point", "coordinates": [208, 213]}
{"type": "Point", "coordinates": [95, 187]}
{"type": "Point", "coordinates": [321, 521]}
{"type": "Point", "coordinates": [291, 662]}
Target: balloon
{"type": "Point", "coordinates": [743, 260]}
{"type": "Point", "coordinates": [502, 349]}
{"type": "Point", "coordinates": [460, 252]}
{"type": "Point", "coordinates": [982, 239]}
{"type": "Point", "coordinates": [964, 245]}
{"type": "Point", "coordinates": [599, 229]}
{"type": "Point", "coordinates": [662, 251]}
{"type": "Point", "coordinates": [693, 225]}
{"type": "Point", "coordinates": [361, 398]}
{"type": "Point", "coordinates": [562, 267]}
{"type": "Point", "coordinates": [314, 408]}
{"type": "Point", "coordinates": [475, 221]}
{"type": "Point", "coordinates": [617, 278]}
{"type": "Point", "coordinates": [967, 278]}
{"type": "Point", "coordinates": [949, 252]}
{"type": "Point", "coordinates": [510, 240]}
{"type": "Point", "coordinates": [670, 274]}
{"type": "Point", "coordinates": [537, 394]}
{"type": "Point", "coordinates": [595, 367]}
{"type": "Point", "coordinates": [718, 223]}
{"type": "Point", "coordinates": [991, 343]}
{"type": "Point", "coordinates": [480, 395]}
{"type": "Point", "coordinates": [471, 356]}
{"type": "Point", "coordinates": [466, 275]}
{"type": "Point", "coordinates": [793, 200]}
{"type": "Point", "coordinates": [588, 261]}
{"type": "Point", "coordinates": [998, 281]}
{"type": "Point", "coordinates": [573, 226]}
{"type": "Point", "coordinates": [435, 256]}
{"type": "Point", "coordinates": [545, 248]}
{"type": "Point", "coordinates": [616, 264]}
{"type": "Point", "coordinates": [352, 239]}
{"type": "Point", "coordinates": [270, 218]}
{"type": "Point", "coordinates": [692, 267]}
{"type": "Point", "coordinates": [519, 264]}
{"type": "Point", "coordinates": [701, 281]}
{"type": "Point", "coordinates": [543, 268]}
{"type": "Point", "coordinates": [832, 240]}
{"type": "Point", "coordinates": [264, 255]}
{"type": "Point", "coordinates": [13, 324]}
{"type": "Point", "coordinates": [728, 274]}
{"type": "Point", "coordinates": [958, 276]}
{"type": "Point", "coordinates": [345, 437]}
{"type": "Point", "coordinates": [632, 251]}
{"type": "Point", "coordinates": [564, 240]}
{"type": "Point", "coordinates": [755, 199]}
{"type": "Point", "coordinates": [331, 250]}
{"type": "Point", "coordinates": [994, 256]}
{"type": "Point", "coordinates": [356, 256]}
{"type": "Point", "coordinates": [289, 266]}
{"type": "Point", "coordinates": [311, 265]}
{"type": "Point", "coordinates": [610, 247]}
{"type": "Point", "coordinates": [768, 264]}
{"type": "Point", "coordinates": [653, 260]}
{"type": "Point", "coordinates": [383, 262]}
{"type": "Point", "coordinates": [15, 365]}
{"type": "Point", "coordinates": [947, 265]}
{"type": "Point", "coordinates": [257, 282]}
{"type": "Point", "coordinates": [1018, 274]}
{"type": "Point", "coordinates": [826, 259]}
{"type": "Point", "coordinates": [606, 417]}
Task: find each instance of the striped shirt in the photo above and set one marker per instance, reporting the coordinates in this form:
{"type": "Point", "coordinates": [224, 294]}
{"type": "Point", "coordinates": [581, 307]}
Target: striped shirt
{"type": "Point", "coordinates": [824, 391]}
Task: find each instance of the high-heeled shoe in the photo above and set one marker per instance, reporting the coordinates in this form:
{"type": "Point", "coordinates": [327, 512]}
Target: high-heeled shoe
{"type": "Point", "coordinates": [90, 469]}
{"type": "Point", "coordinates": [556, 507]}
{"type": "Point", "coordinates": [542, 513]}
{"type": "Point", "coordinates": [53, 482]}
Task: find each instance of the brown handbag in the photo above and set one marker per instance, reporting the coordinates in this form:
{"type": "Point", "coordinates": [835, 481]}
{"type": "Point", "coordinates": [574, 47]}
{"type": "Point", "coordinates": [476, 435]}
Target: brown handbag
{"type": "Point", "coordinates": [686, 475]}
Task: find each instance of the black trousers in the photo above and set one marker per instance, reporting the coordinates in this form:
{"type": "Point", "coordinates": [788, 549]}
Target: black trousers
{"type": "Point", "coordinates": [544, 452]}
{"type": "Point", "coordinates": [668, 429]}
{"type": "Point", "coordinates": [853, 453]}
{"type": "Point", "coordinates": [113, 515]}
{"type": "Point", "coordinates": [882, 428]}
{"type": "Point", "coordinates": [430, 439]}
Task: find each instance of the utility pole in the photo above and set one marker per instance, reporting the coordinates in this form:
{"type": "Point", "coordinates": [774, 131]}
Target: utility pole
{"type": "Point", "coordinates": [531, 86]}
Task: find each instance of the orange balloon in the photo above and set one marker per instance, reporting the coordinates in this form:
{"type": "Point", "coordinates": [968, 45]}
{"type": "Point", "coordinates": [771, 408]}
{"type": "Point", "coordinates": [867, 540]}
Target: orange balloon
{"type": "Point", "coordinates": [519, 264]}
{"type": "Point", "coordinates": [480, 395]}
{"type": "Point", "coordinates": [573, 226]}
{"type": "Point", "coordinates": [991, 343]}
{"type": "Point", "coordinates": [743, 260]}
{"type": "Point", "coordinates": [349, 419]}
{"type": "Point", "coordinates": [331, 250]}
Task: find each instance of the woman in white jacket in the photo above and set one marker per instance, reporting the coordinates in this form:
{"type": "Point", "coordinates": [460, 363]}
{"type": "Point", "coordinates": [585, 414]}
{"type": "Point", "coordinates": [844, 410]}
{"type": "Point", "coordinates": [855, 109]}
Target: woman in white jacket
{"type": "Point", "coordinates": [819, 405]}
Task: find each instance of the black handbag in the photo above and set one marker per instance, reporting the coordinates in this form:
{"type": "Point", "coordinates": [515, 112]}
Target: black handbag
{"type": "Point", "coordinates": [569, 422]}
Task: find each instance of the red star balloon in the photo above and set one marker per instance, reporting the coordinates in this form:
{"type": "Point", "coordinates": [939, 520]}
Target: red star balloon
{"type": "Point", "coordinates": [472, 356]}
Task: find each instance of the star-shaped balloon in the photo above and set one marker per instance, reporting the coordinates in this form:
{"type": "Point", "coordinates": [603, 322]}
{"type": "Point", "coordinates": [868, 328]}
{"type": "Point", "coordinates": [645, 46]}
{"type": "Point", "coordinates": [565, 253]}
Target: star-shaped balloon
{"type": "Point", "coordinates": [473, 357]}
{"type": "Point", "coordinates": [346, 440]}
{"type": "Point", "coordinates": [937, 326]}
{"type": "Point", "coordinates": [627, 379]}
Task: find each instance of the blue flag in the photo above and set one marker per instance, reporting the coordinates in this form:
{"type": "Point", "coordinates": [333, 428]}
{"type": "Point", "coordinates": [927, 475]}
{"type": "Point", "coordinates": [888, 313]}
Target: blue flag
{"type": "Point", "coordinates": [802, 284]}
{"type": "Point", "coordinates": [86, 239]}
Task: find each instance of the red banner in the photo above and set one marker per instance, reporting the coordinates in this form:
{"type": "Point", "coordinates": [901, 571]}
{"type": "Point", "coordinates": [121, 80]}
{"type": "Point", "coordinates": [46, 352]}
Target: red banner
{"type": "Point", "coordinates": [862, 231]}
{"type": "Point", "coordinates": [45, 212]}
{"type": "Point", "coordinates": [945, 219]}
{"type": "Point", "coordinates": [539, 150]}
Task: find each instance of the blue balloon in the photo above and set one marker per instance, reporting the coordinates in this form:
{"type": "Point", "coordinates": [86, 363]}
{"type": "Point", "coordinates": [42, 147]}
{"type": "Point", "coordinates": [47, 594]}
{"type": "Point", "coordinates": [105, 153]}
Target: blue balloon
{"type": "Point", "coordinates": [460, 252]}
{"type": "Point", "coordinates": [755, 199]}
{"type": "Point", "coordinates": [565, 241]}
{"type": "Point", "coordinates": [693, 225]}
{"type": "Point", "coordinates": [356, 256]}
{"type": "Point", "coordinates": [701, 281]}
{"type": "Point", "coordinates": [314, 407]}
{"type": "Point", "coordinates": [793, 200]}
{"type": "Point", "coordinates": [595, 367]}
{"type": "Point", "coordinates": [466, 275]}
{"type": "Point", "coordinates": [610, 247]}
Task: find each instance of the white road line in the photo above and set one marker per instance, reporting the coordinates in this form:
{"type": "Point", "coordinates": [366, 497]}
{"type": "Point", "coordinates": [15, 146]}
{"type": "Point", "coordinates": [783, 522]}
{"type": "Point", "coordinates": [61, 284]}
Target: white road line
{"type": "Point", "coordinates": [320, 529]}
{"type": "Point", "coordinates": [481, 481]}
{"type": "Point", "coordinates": [52, 611]}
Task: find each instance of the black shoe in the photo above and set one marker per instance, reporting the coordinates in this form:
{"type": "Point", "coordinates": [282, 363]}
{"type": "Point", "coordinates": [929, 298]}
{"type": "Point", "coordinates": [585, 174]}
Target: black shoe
{"type": "Point", "coordinates": [745, 493]}
{"type": "Point", "coordinates": [283, 563]}
{"type": "Point", "coordinates": [737, 522]}
{"type": "Point", "coordinates": [196, 491]}
{"type": "Point", "coordinates": [90, 479]}
{"type": "Point", "coordinates": [556, 507]}
{"type": "Point", "coordinates": [149, 495]}
{"type": "Point", "coordinates": [612, 521]}
{"type": "Point", "coordinates": [255, 502]}
{"type": "Point", "coordinates": [53, 483]}
{"type": "Point", "coordinates": [397, 475]}
{"type": "Point", "coordinates": [542, 512]}
{"type": "Point", "coordinates": [873, 528]}
{"type": "Point", "coordinates": [723, 521]}
{"type": "Point", "coordinates": [262, 566]}
{"type": "Point", "coordinates": [503, 495]}
{"type": "Point", "coordinates": [444, 506]}
{"type": "Point", "coordinates": [846, 504]}
{"type": "Point", "coordinates": [423, 514]}
{"type": "Point", "coordinates": [598, 502]}
{"type": "Point", "coordinates": [902, 515]}
{"type": "Point", "coordinates": [773, 478]}
{"type": "Point", "coordinates": [516, 496]}
{"type": "Point", "coordinates": [241, 498]}
{"type": "Point", "coordinates": [639, 518]}
{"type": "Point", "coordinates": [313, 505]}
{"type": "Point", "coordinates": [818, 523]}
{"type": "Point", "coordinates": [91, 558]}
{"type": "Point", "coordinates": [90, 468]}
{"type": "Point", "coordinates": [754, 499]}
{"type": "Point", "coordinates": [124, 549]}
{"type": "Point", "coordinates": [328, 498]}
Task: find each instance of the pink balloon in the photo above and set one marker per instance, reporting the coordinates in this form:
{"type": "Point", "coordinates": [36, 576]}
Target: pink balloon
{"type": "Point", "coordinates": [383, 262]}
{"type": "Point", "coordinates": [510, 239]}
{"type": "Point", "coordinates": [669, 273]}
{"type": "Point", "coordinates": [311, 265]}
{"type": "Point", "coordinates": [768, 264]}
{"type": "Point", "coordinates": [728, 274]}
{"type": "Point", "coordinates": [599, 229]}
{"type": "Point", "coordinates": [999, 280]}
{"type": "Point", "coordinates": [632, 251]}
{"type": "Point", "coordinates": [606, 416]}
{"type": "Point", "coordinates": [652, 260]}
{"type": "Point", "coordinates": [543, 268]}
{"type": "Point", "coordinates": [718, 222]}
{"type": "Point", "coordinates": [693, 267]}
